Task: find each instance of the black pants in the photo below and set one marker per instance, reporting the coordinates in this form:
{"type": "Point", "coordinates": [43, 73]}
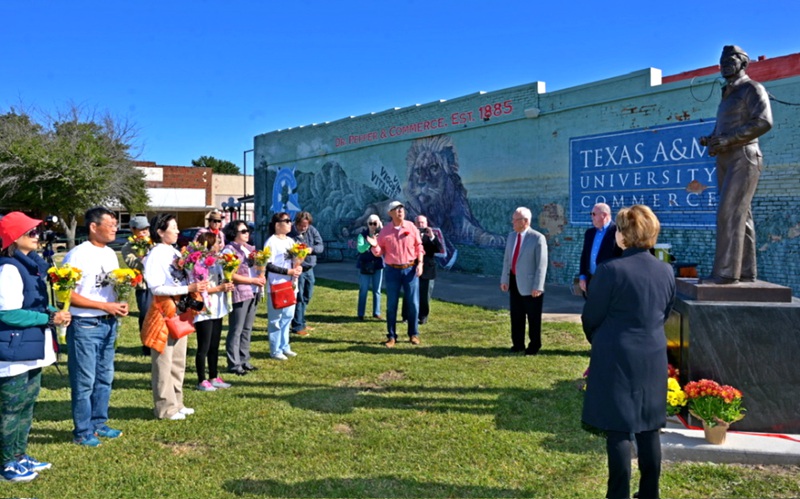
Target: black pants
{"type": "Point", "coordinates": [209, 333]}
{"type": "Point", "coordinates": [618, 447]}
{"type": "Point", "coordinates": [425, 290]}
{"type": "Point", "coordinates": [522, 308]}
{"type": "Point", "coordinates": [143, 300]}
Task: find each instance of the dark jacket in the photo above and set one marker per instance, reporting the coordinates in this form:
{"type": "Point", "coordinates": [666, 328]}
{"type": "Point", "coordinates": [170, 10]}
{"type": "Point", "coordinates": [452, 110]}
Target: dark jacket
{"type": "Point", "coordinates": [312, 239]}
{"type": "Point", "coordinates": [367, 260]}
{"type": "Point", "coordinates": [429, 260]}
{"type": "Point", "coordinates": [19, 343]}
{"type": "Point", "coordinates": [628, 302]}
{"type": "Point", "coordinates": [608, 248]}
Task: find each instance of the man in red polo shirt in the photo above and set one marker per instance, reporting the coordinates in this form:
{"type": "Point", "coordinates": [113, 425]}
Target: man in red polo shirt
{"type": "Point", "coordinates": [400, 245]}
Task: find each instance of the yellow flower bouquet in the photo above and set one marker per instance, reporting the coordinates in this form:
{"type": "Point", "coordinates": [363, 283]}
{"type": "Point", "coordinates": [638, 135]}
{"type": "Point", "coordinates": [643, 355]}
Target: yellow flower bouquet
{"type": "Point", "coordinates": [230, 264]}
{"type": "Point", "coordinates": [63, 280]}
{"type": "Point", "coordinates": [260, 259]}
{"type": "Point", "coordinates": [140, 245]}
{"type": "Point", "coordinates": [124, 281]}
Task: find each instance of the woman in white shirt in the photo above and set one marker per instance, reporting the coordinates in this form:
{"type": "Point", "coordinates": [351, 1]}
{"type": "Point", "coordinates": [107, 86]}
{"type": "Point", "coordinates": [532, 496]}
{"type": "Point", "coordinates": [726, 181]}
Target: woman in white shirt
{"type": "Point", "coordinates": [280, 270]}
{"type": "Point", "coordinates": [26, 340]}
{"type": "Point", "coordinates": [166, 282]}
{"type": "Point", "coordinates": [208, 323]}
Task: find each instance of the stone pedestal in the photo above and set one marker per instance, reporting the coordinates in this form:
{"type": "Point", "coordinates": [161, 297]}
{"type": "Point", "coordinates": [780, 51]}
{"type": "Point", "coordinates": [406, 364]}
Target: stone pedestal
{"type": "Point", "coordinates": [753, 346]}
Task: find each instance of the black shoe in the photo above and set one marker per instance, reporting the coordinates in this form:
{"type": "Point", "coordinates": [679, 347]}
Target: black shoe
{"type": "Point", "coordinates": [531, 351]}
{"type": "Point", "coordinates": [361, 318]}
{"type": "Point", "coordinates": [517, 349]}
{"type": "Point", "coordinates": [237, 371]}
{"type": "Point", "coordinates": [249, 367]}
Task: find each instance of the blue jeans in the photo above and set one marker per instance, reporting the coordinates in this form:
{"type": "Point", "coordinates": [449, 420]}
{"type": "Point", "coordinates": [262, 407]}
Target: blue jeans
{"type": "Point", "coordinates": [279, 321]}
{"type": "Point", "coordinates": [90, 361]}
{"type": "Point", "coordinates": [364, 281]}
{"type": "Point", "coordinates": [305, 288]}
{"type": "Point", "coordinates": [406, 280]}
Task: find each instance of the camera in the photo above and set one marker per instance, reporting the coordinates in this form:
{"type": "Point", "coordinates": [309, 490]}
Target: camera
{"type": "Point", "coordinates": [188, 303]}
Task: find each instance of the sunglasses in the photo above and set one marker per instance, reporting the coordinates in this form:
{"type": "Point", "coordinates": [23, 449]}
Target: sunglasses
{"type": "Point", "coordinates": [215, 221]}
{"type": "Point", "coordinates": [286, 220]}
{"type": "Point", "coordinates": [244, 231]}
{"type": "Point", "coordinates": [33, 233]}
{"type": "Point", "coordinates": [373, 223]}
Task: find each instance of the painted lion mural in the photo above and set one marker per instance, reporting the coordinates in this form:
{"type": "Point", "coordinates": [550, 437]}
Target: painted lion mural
{"type": "Point", "coordinates": [434, 189]}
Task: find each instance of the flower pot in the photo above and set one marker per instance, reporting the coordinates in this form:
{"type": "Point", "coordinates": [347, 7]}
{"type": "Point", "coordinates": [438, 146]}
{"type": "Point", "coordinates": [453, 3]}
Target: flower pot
{"type": "Point", "coordinates": [716, 435]}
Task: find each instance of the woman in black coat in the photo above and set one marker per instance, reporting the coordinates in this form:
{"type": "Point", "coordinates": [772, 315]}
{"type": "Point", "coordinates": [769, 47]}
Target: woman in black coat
{"type": "Point", "coordinates": [629, 300]}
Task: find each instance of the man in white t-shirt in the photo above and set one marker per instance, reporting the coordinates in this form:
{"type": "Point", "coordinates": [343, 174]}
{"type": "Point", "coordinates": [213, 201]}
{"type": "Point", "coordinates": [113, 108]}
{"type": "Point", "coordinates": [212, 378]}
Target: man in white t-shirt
{"type": "Point", "coordinates": [93, 330]}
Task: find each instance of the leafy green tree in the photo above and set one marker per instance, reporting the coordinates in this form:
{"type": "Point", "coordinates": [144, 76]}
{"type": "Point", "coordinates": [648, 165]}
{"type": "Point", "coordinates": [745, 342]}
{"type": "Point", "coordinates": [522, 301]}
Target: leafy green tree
{"type": "Point", "coordinates": [220, 166]}
{"type": "Point", "coordinates": [64, 165]}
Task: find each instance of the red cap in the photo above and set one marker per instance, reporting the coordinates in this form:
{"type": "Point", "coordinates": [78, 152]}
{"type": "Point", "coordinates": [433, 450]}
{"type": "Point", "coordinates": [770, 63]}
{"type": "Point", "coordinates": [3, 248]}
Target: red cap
{"type": "Point", "coordinates": [13, 225]}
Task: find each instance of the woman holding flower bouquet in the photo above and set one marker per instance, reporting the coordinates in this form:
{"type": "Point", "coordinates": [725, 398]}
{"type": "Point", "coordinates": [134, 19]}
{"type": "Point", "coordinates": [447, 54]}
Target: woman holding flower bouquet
{"type": "Point", "coordinates": [24, 313]}
{"type": "Point", "coordinates": [629, 300]}
{"type": "Point", "coordinates": [167, 280]}
{"type": "Point", "coordinates": [281, 269]}
{"type": "Point", "coordinates": [208, 323]}
{"type": "Point", "coordinates": [247, 284]}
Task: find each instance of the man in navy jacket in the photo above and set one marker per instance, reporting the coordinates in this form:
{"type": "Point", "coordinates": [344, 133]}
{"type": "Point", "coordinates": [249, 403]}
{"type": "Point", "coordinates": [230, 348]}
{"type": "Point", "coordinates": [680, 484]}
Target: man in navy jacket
{"type": "Point", "coordinates": [599, 244]}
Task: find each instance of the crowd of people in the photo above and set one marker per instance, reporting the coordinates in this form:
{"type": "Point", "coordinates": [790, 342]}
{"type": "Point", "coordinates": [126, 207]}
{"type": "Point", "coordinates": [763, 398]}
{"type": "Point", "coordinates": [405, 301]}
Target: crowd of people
{"type": "Point", "coordinates": [628, 295]}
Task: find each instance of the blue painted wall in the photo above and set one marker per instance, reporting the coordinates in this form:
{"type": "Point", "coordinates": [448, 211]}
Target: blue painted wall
{"type": "Point", "coordinates": [467, 163]}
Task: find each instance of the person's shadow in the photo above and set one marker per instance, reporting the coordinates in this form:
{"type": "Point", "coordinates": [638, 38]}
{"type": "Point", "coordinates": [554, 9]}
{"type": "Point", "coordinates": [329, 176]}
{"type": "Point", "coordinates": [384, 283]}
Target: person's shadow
{"type": "Point", "coordinates": [379, 486]}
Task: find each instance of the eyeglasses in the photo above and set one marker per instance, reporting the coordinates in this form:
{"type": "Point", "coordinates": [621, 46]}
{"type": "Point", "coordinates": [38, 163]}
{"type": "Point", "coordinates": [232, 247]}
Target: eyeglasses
{"type": "Point", "coordinates": [244, 231]}
{"type": "Point", "coordinates": [33, 233]}
{"type": "Point", "coordinates": [286, 220]}
{"type": "Point", "coordinates": [215, 221]}
{"type": "Point", "coordinates": [373, 223]}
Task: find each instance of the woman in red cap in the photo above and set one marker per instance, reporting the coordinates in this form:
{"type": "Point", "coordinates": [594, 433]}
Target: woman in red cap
{"type": "Point", "coordinates": [26, 340]}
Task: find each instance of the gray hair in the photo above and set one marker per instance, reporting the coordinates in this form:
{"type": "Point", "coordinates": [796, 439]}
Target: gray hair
{"type": "Point", "coordinates": [524, 212]}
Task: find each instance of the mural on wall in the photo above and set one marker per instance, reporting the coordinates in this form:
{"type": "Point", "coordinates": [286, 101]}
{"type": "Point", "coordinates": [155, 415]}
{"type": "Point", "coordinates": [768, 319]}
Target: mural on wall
{"type": "Point", "coordinates": [284, 193]}
{"type": "Point", "coordinates": [434, 188]}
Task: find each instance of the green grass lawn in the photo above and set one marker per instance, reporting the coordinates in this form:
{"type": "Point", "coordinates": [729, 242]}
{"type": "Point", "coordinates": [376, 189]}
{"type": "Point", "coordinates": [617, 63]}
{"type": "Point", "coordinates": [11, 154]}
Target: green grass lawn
{"type": "Point", "coordinates": [457, 416]}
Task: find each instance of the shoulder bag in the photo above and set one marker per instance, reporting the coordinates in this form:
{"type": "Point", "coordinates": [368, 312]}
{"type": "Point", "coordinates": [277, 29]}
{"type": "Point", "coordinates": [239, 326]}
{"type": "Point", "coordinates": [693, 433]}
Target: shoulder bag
{"type": "Point", "coordinates": [282, 295]}
{"type": "Point", "coordinates": [180, 325]}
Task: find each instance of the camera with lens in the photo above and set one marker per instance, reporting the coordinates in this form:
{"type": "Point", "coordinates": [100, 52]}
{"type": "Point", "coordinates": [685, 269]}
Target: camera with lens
{"type": "Point", "coordinates": [188, 303]}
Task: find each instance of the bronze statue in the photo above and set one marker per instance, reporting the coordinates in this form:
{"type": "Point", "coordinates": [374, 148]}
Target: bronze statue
{"type": "Point", "coordinates": [743, 115]}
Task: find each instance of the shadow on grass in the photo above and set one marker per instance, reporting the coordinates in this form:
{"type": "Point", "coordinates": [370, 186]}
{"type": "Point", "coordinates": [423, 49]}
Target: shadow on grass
{"type": "Point", "coordinates": [439, 352]}
{"type": "Point", "coordinates": [61, 410]}
{"type": "Point", "coordinates": [554, 411]}
{"type": "Point", "coordinates": [382, 486]}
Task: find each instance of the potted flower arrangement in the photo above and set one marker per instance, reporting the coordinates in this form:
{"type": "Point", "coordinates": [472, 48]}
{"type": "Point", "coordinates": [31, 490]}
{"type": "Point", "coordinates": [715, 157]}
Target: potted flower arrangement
{"type": "Point", "coordinates": [718, 406]}
{"type": "Point", "coordinates": [676, 398]}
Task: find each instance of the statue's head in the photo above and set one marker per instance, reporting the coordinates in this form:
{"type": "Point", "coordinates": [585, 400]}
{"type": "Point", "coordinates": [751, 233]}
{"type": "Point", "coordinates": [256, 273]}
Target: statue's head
{"type": "Point", "coordinates": [733, 61]}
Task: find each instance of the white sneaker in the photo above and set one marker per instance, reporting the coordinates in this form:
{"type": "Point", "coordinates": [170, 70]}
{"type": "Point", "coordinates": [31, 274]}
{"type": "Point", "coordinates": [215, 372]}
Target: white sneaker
{"type": "Point", "coordinates": [178, 416]}
{"type": "Point", "coordinates": [279, 356]}
{"type": "Point", "coordinates": [289, 353]}
{"type": "Point", "coordinates": [187, 411]}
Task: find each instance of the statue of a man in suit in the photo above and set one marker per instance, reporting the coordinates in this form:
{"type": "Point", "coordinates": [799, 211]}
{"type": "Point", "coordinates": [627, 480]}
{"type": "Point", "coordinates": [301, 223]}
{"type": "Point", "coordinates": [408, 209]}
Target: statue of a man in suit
{"type": "Point", "coordinates": [743, 115]}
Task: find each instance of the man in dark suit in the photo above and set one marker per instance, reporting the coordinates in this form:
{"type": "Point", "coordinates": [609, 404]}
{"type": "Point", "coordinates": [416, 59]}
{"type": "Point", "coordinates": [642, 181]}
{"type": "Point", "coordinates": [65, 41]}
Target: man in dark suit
{"type": "Point", "coordinates": [432, 245]}
{"type": "Point", "coordinates": [524, 271]}
{"type": "Point", "coordinates": [599, 244]}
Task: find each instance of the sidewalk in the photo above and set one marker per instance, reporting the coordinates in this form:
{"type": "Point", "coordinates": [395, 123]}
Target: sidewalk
{"type": "Point", "coordinates": [560, 305]}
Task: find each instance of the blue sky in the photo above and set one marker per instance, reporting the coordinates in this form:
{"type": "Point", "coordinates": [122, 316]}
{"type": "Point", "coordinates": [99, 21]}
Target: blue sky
{"type": "Point", "coordinates": [204, 77]}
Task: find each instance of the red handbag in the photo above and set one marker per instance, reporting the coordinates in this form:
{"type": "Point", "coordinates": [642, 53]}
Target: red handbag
{"type": "Point", "coordinates": [180, 325]}
{"type": "Point", "coordinates": [282, 295]}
